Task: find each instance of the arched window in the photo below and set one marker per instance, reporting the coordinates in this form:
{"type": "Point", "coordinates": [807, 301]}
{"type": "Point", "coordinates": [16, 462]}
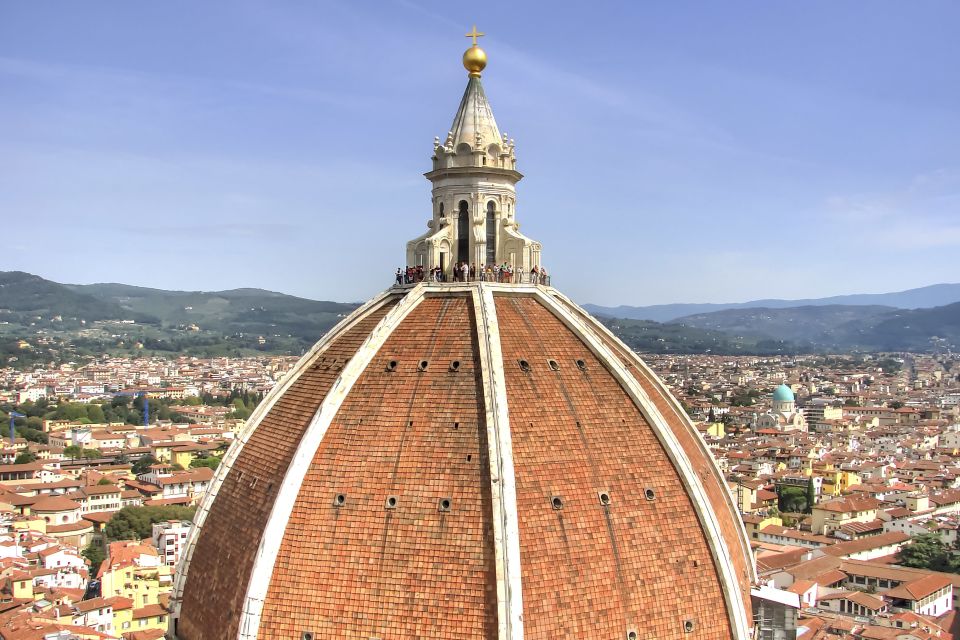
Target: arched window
{"type": "Point", "coordinates": [463, 233]}
{"type": "Point", "coordinates": [491, 233]}
{"type": "Point", "coordinates": [441, 208]}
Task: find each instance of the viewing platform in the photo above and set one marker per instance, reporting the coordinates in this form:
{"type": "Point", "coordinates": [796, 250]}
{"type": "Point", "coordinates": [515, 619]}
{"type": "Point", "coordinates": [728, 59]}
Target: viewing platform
{"type": "Point", "coordinates": [516, 279]}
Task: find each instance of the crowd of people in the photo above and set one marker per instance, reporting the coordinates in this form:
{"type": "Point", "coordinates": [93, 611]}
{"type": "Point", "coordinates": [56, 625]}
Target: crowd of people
{"type": "Point", "coordinates": [463, 272]}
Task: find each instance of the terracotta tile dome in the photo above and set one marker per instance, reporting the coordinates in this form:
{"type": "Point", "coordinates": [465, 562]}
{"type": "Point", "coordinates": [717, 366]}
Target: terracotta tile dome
{"type": "Point", "coordinates": [469, 460]}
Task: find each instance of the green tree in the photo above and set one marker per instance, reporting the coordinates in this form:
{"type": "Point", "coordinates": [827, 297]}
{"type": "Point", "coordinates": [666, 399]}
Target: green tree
{"type": "Point", "coordinates": [135, 523]}
{"type": "Point", "coordinates": [95, 556]}
{"type": "Point", "coordinates": [95, 414]}
{"type": "Point", "coordinates": [211, 462]}
{"type": "Point", "coordinates": [143, 464]}
{"type": "Point", "coordinates": [104, 482]}
{"type": "Point", "coordinates": [73, 452]}
{"type": "Point", "coordinates": [811, 496]}
{"type": "Point", "coordinates": [927, 551]}
{"type": "Point", "coordinates": [25, 457]}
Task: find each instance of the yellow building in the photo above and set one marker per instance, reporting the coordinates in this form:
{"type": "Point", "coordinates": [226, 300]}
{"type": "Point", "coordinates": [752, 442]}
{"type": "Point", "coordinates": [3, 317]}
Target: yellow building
{"type": "Point", "coordinates": [21, 584]}
{"type": "Point", "coordinates": [833, 514]}
{"type": "Point", "coordinates": [754, 524]}
{"type": "Point", "coordinates": [837, 482]}
{"type": "Point", "coordinates": [136, 572]}
{"type": "Point", "coordinates": [150, 617]}
{"type": "Point", "coordinates": [122, 614]}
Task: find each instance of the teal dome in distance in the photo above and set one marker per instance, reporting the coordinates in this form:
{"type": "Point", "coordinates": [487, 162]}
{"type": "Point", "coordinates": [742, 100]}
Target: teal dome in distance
{"type": "Point", "coordinates": [783, 394]}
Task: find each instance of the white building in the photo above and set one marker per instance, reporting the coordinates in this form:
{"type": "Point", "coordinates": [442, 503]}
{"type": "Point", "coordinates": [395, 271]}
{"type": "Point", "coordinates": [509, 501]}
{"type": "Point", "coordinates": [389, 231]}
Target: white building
{"type": "Point", "coordinates": [169, 538]}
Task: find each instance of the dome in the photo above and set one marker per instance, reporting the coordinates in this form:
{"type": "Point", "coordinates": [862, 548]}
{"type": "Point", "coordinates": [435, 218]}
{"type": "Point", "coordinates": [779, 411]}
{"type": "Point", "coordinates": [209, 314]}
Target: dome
{"type": "Point", "coordinates": [466, 460]}
{"type": "Point", "coordinates": [479, 460]}
{"type": "Point", "coordinates": [783, 393]}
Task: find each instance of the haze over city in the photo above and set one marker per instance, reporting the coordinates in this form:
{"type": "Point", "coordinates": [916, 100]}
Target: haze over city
{"type": "Point", "coordinates": [673, 153]}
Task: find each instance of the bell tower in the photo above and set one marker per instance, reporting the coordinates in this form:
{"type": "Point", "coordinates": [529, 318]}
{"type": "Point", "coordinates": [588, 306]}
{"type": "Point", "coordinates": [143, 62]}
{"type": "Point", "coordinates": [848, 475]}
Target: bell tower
{"type": "Point", "coordinates": [474, 194]}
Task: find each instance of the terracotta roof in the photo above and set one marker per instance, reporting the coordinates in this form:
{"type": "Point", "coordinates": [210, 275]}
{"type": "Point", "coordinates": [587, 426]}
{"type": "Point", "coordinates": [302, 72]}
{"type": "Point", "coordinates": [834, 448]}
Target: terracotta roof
{"type": "Point", "coordinates": [851, 547]}
{"type": "Point", "coordinates": [919, 588]}
{"type": "Point", "coordinates": [848, 505]}
{"type": "Point", "coordinates": [54, 504]}
{"type": "Point", "coordinates": [568, 421]}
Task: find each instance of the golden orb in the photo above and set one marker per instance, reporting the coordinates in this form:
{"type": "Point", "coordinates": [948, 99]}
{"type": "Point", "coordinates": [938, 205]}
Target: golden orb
{"type": "Point", "coordinates": [474, 60]}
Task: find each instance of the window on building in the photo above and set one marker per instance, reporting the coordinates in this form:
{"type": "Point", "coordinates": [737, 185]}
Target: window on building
{"type": "Point", "coordinates": [463, 232]}
{"type": "Point", "coordinates": [491, 233]}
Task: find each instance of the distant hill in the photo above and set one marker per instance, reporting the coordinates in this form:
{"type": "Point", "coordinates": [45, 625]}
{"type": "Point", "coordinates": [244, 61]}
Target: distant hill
{"type": "Point", "coordinates": [80, 320]}
{"type": "Point", "coordinates": [914, 330]}
{"type": "Point", "coordinates": [254, 311]}
{"type": "Point", "coordinates": [922, 298]}
{"type": "Point", "coordinates": [25, 298]}
{"type": "Point", "coordinates": [837, 327]}
{"type": "Point", "coordinates": [824, 326]}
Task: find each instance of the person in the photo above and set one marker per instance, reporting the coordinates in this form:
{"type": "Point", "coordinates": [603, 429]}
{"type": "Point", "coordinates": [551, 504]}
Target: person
{"type": "Point", "coordinates": [534, 275]}
{"type": "Point", "coordinates": [465, 271]}
{"type": "Point", "coordinates": [473, 271]}
{"type": "Point", "coordinates": [399, 276]}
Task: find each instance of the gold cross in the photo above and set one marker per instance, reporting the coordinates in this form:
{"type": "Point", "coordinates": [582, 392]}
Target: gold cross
{"type": "Point", "coordinates": [475, 34]}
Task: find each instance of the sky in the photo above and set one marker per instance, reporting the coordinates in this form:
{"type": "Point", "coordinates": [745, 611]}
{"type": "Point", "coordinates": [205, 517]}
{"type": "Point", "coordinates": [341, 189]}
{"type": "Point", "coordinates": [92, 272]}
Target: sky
{"type": "Point", "coordinates": [672, 151]}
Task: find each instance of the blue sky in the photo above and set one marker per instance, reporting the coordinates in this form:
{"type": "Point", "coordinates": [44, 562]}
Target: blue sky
{"type": "Point", "coordinates": [673, 151]}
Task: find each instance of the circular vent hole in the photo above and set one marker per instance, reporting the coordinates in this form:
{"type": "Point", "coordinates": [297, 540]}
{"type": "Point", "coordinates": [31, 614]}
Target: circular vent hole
{"type": "Point", "coordinates": [423, 365]}
{"type": "Point", "coordinates": [444, 504]}
{"type": "Point", "coordinates": [631, 635]}
{"type": "Point", "coordinates": [339, 500]}
{"type": "Point", "coordinates": [688, 626]}
{"type": "Point", "coordinates": [556, 502]}
{"type": "Point", "coordinates": [581, 365]}
{"type": "Point", "coordinates": [649, 494]}
{"type": "Point", "coordinates": [391, 502]}
{"type": "Point", "coordinates": [392, 365]}
{"type": "Point", "coordinates": [524, 365]}
{"type": "Point", "coordinates": [604, 498]}
{"type": "Point", "coordinates": [455, 365]}
{"type": "Point", "coordinates": [306, 635]}
{"type": "Point", "coordinates": [553, 364]}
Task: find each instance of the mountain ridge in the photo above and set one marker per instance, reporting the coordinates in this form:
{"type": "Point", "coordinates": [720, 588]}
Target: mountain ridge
{"type": "Point", "coordinates": [934, 295]}
{"type": "Point", "coordinates": [120, 318]}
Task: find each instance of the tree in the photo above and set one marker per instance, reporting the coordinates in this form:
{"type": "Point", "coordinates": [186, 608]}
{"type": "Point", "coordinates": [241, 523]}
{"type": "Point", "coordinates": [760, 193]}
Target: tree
{"type": "Point", "coordinates": [135, 523]}
{"type": "Point", "coordinates": [143, 464]}
{"type": "Point", "coordinates": [95, 556]}
{"type": "Point", "coordinates": [927, 551]}
{"type": "Point", "coordinates": [104, 482]}
{"type": "Point", "coordinates": [73, 451]}
{"type": "Point", "coordinates": [25, 458]}
{"type": "Point", "coordinates": [811, 496]}
{"type": "Point", "coordinates": [95, 414]}
{"type": "Point", "coordinates": [211, 462]}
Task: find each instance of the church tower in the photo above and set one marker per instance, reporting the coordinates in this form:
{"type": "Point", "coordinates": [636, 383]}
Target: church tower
{"type": "Point", "coordinates": [474, 195]}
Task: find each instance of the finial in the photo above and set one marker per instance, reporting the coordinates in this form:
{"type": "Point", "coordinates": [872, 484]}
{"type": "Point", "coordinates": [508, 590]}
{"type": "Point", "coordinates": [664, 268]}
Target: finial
{"type": "Point", "coordinates": [474, 58]}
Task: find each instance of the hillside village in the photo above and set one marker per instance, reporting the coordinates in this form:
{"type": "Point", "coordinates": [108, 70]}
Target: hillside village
{"type": "Point", "coordinates": [837, 464]}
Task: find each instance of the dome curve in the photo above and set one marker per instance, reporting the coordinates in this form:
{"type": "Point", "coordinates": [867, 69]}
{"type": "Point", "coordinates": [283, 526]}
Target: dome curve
{"type": "Point", "coordinates": [502, 554]}
{"type": "Point", "coordinates": [783, 393]}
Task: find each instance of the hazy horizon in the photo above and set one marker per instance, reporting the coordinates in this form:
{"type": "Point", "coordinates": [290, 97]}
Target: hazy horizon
{"type": "Point", "coordinates": [672, 153]}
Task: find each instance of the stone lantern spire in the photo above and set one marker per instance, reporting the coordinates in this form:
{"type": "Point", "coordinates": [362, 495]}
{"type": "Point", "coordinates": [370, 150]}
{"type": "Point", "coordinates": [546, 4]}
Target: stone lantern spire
{"type": "Point", "coordinates": [474, 179]}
